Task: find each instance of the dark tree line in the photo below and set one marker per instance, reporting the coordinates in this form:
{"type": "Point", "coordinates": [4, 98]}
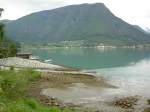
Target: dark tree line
{"type": "Point", "coordinates": [8, 47]}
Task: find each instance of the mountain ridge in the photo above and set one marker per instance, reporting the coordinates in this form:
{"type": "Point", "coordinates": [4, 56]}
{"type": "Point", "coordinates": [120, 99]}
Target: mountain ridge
{"type": "Point", "coordinates": [93, 23]}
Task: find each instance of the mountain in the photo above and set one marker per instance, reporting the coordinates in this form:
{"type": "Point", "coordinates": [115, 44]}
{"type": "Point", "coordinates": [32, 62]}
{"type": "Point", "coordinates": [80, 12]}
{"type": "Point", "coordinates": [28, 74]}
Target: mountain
{"type": "Point", "coordinates": [146, 30]}
{"type": "Point", "coordinates": [92, 23]}
{"type": "Point", "coordinates": [139, 28]}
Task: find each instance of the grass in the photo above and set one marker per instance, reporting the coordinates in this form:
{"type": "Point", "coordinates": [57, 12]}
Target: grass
{"type": "Point", "coordinates": [14, 86]}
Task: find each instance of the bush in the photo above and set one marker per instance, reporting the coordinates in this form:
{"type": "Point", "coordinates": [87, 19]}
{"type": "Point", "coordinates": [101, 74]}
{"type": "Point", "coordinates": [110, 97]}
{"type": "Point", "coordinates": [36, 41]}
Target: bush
{"type": "Point", "coordinates": [8, 47]}
{"type": "Point", "coordinates": [54, 109]}
{"type": "Point", "coordinates": [31, 103]}
{"type": "Point", "coordinates": [12, 68]}
{"type": "Point", "coordinates": [31, 75]}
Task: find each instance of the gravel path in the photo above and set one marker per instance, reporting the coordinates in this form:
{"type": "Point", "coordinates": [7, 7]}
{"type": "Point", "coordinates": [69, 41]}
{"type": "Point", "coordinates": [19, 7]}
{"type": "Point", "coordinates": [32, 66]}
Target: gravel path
{"type": "Point", "coordinates": [26, 63]}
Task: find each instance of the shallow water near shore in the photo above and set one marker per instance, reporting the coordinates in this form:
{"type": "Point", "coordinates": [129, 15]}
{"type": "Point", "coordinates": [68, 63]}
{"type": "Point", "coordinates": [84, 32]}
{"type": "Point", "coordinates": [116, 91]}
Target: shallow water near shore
{"type": "Point", "coordinates": [128, 69]}
{"type": "Point", "coordinates": [133, 79]}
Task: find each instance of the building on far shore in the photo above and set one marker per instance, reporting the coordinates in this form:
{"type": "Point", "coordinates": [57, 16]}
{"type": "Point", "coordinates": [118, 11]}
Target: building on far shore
{"type": "Point", "coordinates": [24, 55]}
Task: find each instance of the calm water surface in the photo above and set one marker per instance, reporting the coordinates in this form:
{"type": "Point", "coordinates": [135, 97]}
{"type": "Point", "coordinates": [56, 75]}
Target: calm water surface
{"type": "Point", "coordinates": [90, 58]}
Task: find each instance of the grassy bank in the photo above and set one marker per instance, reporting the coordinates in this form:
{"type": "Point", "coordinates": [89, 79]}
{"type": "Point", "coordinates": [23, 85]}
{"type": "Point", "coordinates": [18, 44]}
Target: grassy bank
{"type": "Point", "coordinates": [14, 86]}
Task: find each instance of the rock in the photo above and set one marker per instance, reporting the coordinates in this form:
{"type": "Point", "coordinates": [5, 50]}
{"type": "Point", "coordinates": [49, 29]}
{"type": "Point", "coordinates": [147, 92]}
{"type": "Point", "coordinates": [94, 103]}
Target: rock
{"type": "Point", "coordinates": [148, 101]}
{"type": "Point", "coordinates": [147, 109]}
{"type": "Point", "coordinates": [126, 103]}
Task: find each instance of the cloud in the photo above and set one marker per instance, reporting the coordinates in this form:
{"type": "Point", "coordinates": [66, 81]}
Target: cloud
{"type": "Point", "coordinates": [18, 8]}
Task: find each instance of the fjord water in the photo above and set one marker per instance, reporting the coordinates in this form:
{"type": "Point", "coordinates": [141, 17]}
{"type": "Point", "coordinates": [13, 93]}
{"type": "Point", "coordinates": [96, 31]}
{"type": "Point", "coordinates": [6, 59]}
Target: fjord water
{"type": "Point", "coordinates": [92, 58]}
{"type": "Point", "coordinates": [129, 69]}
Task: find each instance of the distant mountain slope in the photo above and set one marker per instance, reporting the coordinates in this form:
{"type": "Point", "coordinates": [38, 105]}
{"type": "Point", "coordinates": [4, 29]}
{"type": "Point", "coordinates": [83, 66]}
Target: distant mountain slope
{"type": "Point", "coordinates": [142, 30]}
{"type": "Point", "coordinates": [148, 30]}
{"type": "Point", "coordinates": [93, 23]}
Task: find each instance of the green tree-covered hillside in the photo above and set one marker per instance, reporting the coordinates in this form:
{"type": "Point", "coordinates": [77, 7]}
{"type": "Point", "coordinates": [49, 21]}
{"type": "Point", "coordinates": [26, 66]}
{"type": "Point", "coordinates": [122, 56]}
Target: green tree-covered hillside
{"type": "Point", "coordinates": [92, 23]}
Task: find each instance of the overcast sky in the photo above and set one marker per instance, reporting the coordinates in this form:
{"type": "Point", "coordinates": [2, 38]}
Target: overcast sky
{"type": "Point", "coordinates": [132, 11]}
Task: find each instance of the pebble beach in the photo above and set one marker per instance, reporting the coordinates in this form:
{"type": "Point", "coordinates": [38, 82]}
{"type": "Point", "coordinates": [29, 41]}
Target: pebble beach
{"type": "Point", "coordinates": [27, 63]}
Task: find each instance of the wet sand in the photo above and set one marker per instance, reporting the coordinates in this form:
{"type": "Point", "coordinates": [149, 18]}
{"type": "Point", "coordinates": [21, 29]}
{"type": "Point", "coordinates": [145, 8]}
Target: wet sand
{"type": "Point", "coordinates": [58, 82]}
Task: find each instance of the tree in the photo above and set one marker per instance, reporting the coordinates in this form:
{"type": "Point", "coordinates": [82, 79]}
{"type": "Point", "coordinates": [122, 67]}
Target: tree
{"type": "Point", "coordinates": [12, 51]}
{"type": "Point", "coordinates": [1, 34]}
{"type": "Point", "coordinates": [8, 48]}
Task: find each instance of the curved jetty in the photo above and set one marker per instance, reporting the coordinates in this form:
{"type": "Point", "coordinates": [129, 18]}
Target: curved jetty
{"type": "Point", "coordinates": [27, 63]}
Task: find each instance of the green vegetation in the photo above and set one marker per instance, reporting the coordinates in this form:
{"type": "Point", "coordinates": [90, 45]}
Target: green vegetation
{"type": "Point", "coordinates": [14, 86]}
{"type": "Point", "coordinates": [92, 24]}
{"type": "Point", "coordinates": [8, 48]}
{"type": "Point", "coordinates": [52, 45]}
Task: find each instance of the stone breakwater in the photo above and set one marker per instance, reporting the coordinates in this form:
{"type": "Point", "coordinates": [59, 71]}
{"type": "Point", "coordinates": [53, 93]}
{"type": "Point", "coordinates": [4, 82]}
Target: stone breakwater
{"type": "Point", "coordinates": [26, 63]}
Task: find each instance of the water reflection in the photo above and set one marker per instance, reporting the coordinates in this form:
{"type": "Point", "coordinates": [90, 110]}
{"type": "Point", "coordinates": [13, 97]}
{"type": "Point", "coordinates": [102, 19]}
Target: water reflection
{"type": "Point", "coordinates": [91, 58]}
{"type": "Point", "coordinates": [134, 79]}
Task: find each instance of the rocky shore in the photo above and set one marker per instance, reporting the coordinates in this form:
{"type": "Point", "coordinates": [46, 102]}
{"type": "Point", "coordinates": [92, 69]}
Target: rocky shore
{"type": "Point", "coordinates": [63, 82]}
{"type": "Point", "coordinates": [60, 80]}
{"type": "Point", "coordinates": [63, 79]}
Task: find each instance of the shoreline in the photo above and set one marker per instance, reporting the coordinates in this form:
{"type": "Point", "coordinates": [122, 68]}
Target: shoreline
{"type": "Point", "coordinates": [20, 63]}
{"type": "Point", "coordinates": [81, 45]}
{"type": "Point", "coordinates": [52, 84]}
{"type": "Point", "coordinates": [57, 81]}
{"type": "Point", "coordinates": [95, 47]}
